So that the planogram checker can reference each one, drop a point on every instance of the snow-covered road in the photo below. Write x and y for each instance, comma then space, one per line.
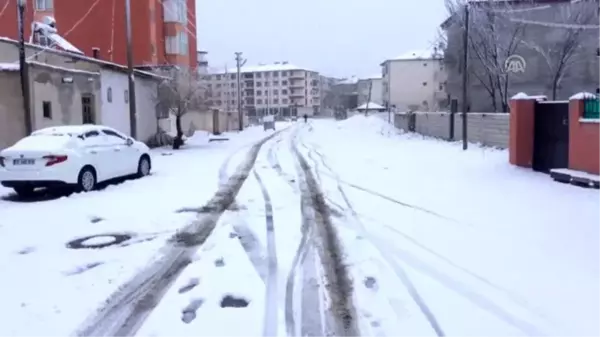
339, 228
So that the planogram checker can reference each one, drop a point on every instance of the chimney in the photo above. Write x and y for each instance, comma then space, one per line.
96, 52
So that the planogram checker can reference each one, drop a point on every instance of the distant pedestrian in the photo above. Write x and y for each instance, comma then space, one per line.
305, 118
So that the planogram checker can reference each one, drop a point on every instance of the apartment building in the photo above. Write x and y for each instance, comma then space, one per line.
374, 84
163, 31
267, 89
202, 62
415, 81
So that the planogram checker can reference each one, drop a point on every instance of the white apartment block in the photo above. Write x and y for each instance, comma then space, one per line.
279, 88
415, 81
373, 84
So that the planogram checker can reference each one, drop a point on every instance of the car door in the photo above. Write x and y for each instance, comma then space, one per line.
99, 154
119, 148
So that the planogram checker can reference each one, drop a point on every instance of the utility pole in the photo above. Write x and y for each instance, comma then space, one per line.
23, 67
465, 77
369, 97
132, 105
239, 64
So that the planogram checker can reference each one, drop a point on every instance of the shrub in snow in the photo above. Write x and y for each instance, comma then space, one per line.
160, 139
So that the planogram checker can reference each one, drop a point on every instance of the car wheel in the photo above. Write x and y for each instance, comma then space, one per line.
87, 180
144, 166
24, 191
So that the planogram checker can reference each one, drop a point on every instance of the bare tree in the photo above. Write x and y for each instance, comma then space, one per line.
183, 91
492, 38
566, 37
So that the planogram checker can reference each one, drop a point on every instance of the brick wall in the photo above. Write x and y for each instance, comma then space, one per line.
489, 129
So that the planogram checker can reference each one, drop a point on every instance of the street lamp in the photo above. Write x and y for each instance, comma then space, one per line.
23, 65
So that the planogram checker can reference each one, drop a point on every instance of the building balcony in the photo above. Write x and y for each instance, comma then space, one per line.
298, 84
296, 94
296, 75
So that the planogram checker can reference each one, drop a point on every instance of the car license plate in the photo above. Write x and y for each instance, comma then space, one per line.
22, 161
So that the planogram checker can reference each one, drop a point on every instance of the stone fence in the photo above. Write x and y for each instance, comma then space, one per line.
488, 129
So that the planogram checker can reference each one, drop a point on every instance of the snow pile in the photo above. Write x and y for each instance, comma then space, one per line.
372, 124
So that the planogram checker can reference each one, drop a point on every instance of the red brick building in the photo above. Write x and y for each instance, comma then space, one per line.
163, 31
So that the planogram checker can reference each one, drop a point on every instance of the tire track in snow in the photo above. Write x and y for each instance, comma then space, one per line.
271, 308
425, 310
377, 194
479, 300
339, 287
125, 310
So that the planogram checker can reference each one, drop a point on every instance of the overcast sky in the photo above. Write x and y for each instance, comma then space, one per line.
335, 37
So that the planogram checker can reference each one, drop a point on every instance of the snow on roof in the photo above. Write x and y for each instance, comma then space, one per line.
262, 68
76, 71
102, 63
349, 80
523, 95
9, 66
583, 95
52, 34
372, 105
424, 54
373, 77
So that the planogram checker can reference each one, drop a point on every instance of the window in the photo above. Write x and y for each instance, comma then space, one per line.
87, 109
284, 92
424, 64
44, 5
175, 11
283, 82
258, 75
233, 77
424, 84
441, 86
275, 101
284, 101
233, 85
90, 134
47, 109
126, 96
258, 93
276, 83
218, 77
275, 92
258, 84
112, 134
178, 44
218, 85
109, 95
259, 101
275, 74
284, 73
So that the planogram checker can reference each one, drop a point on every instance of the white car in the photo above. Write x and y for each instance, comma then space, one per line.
79, 156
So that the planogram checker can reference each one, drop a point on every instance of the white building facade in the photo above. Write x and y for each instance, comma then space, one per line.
374, 84
279, 88
415, 81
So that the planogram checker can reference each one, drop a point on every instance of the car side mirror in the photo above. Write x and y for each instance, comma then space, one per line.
129, 142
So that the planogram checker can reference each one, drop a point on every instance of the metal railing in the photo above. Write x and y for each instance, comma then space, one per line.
591, 108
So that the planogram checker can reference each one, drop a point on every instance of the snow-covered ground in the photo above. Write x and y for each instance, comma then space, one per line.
436, 240
491, 249
47, 288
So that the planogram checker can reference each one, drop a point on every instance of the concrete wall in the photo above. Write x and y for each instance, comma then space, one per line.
115, 110
65, 98
489, 129
376, 91
145, 98
12, 118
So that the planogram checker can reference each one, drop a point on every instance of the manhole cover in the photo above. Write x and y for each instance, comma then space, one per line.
98, 241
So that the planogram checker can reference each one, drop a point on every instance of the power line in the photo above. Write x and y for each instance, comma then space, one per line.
555, 25
4, 8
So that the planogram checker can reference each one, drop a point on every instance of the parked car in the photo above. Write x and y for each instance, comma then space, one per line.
77, 156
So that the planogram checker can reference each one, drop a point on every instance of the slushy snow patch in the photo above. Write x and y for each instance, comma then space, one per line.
583, 95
